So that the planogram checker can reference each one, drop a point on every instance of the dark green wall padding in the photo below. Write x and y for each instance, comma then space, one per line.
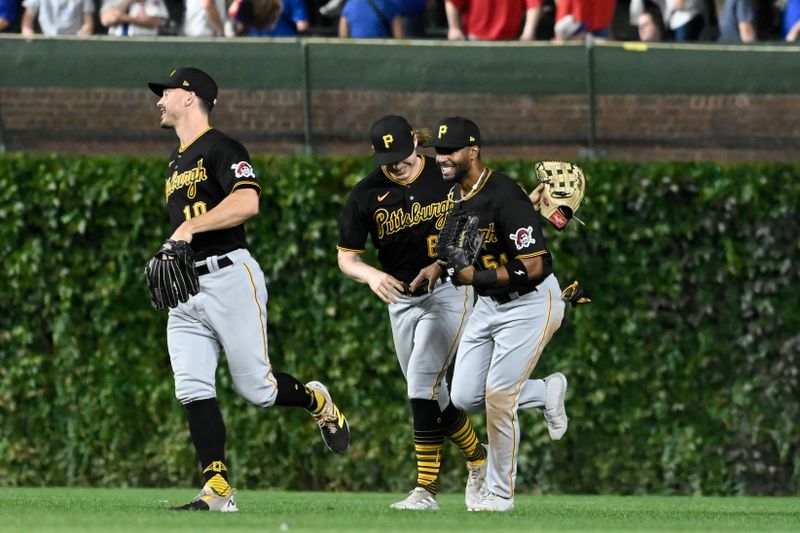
406, 66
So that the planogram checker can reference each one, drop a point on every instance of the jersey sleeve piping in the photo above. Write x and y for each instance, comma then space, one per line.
343, 249
247, 184
528, 256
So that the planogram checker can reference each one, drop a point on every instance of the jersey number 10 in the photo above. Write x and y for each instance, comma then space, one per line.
194, 210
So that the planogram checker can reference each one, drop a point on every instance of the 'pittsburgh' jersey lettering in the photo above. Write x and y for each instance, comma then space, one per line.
200, 176
388, 223
189, 178
489, 235
402, 220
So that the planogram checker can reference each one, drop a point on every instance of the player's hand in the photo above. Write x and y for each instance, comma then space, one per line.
536, 196
430, 273
387, 287
183, 233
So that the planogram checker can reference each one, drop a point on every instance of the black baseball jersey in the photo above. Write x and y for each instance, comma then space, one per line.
509, 223
403, 220
200, 176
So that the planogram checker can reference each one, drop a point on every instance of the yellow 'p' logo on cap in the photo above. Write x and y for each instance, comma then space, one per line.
442, 130
387, 140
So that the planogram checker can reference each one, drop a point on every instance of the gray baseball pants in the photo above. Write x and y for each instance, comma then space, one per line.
498, 351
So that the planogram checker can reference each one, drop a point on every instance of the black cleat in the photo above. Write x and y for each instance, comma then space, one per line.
332, 423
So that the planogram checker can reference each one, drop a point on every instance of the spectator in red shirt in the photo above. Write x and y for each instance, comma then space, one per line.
576, 18
490, 20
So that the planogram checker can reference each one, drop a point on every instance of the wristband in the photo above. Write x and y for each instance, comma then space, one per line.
517, 274
483, 279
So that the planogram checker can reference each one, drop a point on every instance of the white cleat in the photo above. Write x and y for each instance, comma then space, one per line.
554, 411
475, 481
493, 503
418, 499
209, 500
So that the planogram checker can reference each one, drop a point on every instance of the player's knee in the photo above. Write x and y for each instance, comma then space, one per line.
499, 401
416, 392
467, 401
426, 386
259, 392
193, 391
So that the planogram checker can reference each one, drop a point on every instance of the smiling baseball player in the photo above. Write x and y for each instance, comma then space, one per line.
518, 310
400, 206
210, 191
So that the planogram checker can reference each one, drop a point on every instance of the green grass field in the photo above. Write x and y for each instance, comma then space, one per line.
87, 510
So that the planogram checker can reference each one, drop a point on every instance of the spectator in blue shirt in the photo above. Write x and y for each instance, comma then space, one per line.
269, 18
413, 14
791, 21
9, 10
370, 19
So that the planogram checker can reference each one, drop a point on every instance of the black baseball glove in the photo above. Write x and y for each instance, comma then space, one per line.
459, 242
171, 276
575, 294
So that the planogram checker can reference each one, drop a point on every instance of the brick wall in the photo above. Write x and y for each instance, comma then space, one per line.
690, 127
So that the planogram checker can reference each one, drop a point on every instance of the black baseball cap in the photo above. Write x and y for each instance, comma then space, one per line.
392, 139
455, 132
189, 79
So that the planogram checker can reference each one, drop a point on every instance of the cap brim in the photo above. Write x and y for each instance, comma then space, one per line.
158, 88
390, 158
435, 144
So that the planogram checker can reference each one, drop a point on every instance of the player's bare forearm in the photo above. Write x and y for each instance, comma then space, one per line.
353, 267
235, 209
384, 285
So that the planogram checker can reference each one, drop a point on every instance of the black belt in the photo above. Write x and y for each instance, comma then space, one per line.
223, 262
505, 298
422, 290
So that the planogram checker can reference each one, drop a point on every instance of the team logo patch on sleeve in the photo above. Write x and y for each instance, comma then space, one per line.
242, 169
523, 237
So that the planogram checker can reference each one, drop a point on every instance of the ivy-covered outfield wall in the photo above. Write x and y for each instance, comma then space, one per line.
683, 371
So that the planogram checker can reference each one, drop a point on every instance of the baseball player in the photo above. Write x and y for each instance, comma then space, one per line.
210, 191
401, 206
518, 310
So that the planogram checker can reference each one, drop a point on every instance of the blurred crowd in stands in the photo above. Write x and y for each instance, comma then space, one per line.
728, 21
